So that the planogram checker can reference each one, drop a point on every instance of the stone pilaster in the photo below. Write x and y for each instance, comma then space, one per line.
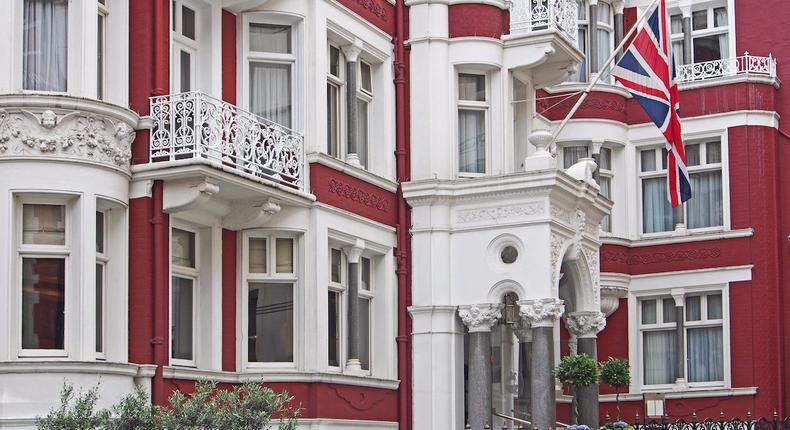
479, 319
524, 401
353, 253
351, 53
585, 326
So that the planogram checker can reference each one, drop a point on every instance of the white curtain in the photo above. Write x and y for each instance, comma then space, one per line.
270, 92
724, 45
606, 190
705, 208
660, 350
705, 354
471, 141
572, 154
45, 53
581, 68
657, 214
362, 131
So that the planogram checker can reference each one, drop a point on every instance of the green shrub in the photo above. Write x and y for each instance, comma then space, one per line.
76, 411
616, 373
578, 370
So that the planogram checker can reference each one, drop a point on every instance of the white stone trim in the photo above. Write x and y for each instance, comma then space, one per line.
542, 312
690, 236
87, 367
480, 318
174, 372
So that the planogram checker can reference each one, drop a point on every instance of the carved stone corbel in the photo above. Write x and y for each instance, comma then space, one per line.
244, 216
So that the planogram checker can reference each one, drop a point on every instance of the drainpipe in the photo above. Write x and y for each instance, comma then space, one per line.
160, 294
403, 257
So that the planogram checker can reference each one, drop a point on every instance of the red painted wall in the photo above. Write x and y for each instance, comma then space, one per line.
481, 20
228, 57
140, 69
380, 13
228, 300
141, 281
354, 195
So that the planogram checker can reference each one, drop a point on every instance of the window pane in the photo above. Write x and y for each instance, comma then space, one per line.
43, 224
43, 302
664, 158
699, 20
713, 152
270, 323
99, 308
605, 183
669, 310
572, 154
257, 257
471, 136
364, 333
705, 354
471, 87
270, 92
604, 48
649, 311
332, 120
366, 78
677, 24
715, 308
720, 17
333, 310
606, 159
710, 48
693, 308
581, 40
188, 22
604, 13
660, 350
336, 265
692, 155
648, 160
364, 264
183, 248
678, 52
657, 213
44, 45
285, 255
334, 61
705, 209
185, 71
100, 232
362, 131
270, 38
182, 318
100, 57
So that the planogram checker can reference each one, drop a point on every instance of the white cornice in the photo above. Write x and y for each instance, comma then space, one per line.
278, 375
687, 393
88, 367
37, 101
688, 237
343, 167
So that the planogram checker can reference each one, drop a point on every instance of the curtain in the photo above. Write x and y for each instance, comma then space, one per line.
270, 38
724, 45
657, 214
572, 154
471, 141
705, 354
45, 53
364, 332
182, 309
660, 350
362, 131
581, 68
705, 209
606, 190
270, 92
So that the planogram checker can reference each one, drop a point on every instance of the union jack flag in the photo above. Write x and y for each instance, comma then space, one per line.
646, 69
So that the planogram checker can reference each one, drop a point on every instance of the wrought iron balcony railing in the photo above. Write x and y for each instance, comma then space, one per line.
743, 65
534, 15
194, 125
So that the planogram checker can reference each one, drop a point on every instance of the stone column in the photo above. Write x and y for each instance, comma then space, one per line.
479, 319
680, 317
585, 326
618, 6
596, 156
353, 253
685, 9
351, 53
524, 401
592, 39
542, 314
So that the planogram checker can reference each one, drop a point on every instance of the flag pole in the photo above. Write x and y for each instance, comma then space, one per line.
606, 65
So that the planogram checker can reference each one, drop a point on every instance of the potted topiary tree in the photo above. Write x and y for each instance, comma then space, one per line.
616, 373
577, 370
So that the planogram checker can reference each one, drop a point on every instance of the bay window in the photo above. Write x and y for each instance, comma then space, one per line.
473, 108
605, 176
572, 154
704, 210
184, 47
102, 259
603, 39
334, 86
709, 38
270, 274
45, 45
364, 99
337, 289
271, 60
185, 277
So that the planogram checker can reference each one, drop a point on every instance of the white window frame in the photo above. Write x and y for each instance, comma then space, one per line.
369, 295
471, 105
104, 12
638, 329
187, 273
366, 97
294, 60
339, 82
711, 30
607, 174
340, 288
45, 251
103, 259
271, 276
179, 42
703, 167
608, 27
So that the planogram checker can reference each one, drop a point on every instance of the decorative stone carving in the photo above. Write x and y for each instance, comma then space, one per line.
76, 135
661, 257
480, 317
585, 324
355, 251
610, 298
500, 213
542, 312
560, 214
245, 216
358, 195
556, 249
594, 265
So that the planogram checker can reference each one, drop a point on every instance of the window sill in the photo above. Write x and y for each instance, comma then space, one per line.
670, 238
685, 392
600, 87
89, 367
277, 375
343, 167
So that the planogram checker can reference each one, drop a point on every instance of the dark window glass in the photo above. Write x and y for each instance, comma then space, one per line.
364, 333
99, 308
100, 232
43, 302
182, 318
333, 310
270, 322
186, 71
188, 22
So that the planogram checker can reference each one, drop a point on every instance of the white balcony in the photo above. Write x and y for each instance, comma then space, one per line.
195, 126
528, 16
743, 65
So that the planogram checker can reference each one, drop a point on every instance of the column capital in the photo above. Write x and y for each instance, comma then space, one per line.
618, 6
481, 317
352, 50
523, 331
542, 312
585, 324
597, 144
354, 251
679, 294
